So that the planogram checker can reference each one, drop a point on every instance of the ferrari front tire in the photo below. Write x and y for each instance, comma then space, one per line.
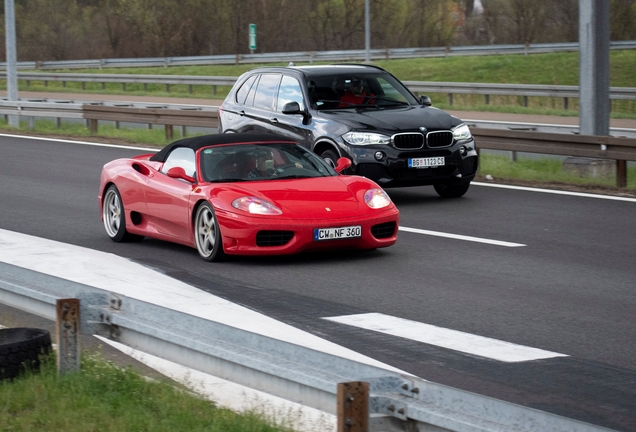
207, 234
115, 218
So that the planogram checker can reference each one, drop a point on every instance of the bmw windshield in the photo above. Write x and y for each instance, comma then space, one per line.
357, 90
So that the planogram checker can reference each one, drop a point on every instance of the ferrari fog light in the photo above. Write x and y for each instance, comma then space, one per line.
376, 198
255, 205
379, 155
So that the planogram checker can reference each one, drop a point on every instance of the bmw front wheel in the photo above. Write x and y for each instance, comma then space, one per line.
207, 234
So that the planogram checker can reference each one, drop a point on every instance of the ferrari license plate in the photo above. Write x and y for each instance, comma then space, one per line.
426, 162
337, 233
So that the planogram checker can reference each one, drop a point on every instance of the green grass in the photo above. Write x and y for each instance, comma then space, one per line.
544, 170
103, 397
549, 69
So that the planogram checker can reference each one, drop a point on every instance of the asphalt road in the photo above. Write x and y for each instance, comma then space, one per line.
570, 289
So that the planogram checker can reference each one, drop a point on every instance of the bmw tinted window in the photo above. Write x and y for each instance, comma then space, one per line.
266, 91
289, 91
242, 92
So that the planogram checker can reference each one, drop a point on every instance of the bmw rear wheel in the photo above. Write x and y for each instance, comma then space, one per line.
115, 217
451, 191
207, 234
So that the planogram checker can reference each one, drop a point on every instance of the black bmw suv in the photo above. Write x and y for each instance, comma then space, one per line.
361, 112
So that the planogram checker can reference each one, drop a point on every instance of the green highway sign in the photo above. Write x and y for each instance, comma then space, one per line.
252, 36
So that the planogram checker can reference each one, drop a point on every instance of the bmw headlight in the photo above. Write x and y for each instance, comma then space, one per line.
376, 198
365, 138
256, 206
461, 132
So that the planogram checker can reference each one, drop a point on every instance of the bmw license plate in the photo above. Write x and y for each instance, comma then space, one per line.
337, 233
426, 162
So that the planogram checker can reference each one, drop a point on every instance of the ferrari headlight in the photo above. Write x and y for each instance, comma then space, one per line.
461, 132
376, 198
365, 138
256, 206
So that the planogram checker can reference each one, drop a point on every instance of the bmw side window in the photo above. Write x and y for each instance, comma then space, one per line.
266, 91
181, 157
289, 91
242, 92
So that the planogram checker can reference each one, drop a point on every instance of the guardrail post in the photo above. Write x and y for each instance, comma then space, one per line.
68, 334
450, 99
487, 99
565, 103
621, 173
169, 132
93, 126
353, 407
167, 88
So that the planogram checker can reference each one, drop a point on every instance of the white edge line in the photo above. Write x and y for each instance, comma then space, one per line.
461, 237
553, 191
96, 144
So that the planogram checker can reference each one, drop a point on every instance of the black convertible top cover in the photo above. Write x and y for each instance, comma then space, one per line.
197, 142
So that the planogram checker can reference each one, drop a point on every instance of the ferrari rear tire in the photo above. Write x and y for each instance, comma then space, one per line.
451, 191
115, 217
207, 234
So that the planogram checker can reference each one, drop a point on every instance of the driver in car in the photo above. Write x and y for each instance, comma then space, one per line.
355, 94
263, 165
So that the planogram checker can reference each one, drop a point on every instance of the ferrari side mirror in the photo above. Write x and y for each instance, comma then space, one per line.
342, 164
179, 173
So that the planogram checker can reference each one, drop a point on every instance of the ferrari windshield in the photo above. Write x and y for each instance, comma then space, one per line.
248, 162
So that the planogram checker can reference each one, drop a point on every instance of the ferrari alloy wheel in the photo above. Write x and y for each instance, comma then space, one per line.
115, 218
207, 234
451, 191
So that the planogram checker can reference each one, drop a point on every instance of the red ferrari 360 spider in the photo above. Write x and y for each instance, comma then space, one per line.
244, 194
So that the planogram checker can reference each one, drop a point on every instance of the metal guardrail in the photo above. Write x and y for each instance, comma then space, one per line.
494, 136
487, 89
313, 56
289, 371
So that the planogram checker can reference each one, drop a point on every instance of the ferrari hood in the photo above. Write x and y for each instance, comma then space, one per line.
314, 197
395, 119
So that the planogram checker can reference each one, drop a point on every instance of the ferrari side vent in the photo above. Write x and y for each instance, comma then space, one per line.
383, 230
273, 238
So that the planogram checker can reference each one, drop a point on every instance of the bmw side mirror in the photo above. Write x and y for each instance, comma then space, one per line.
425, 100
292, 108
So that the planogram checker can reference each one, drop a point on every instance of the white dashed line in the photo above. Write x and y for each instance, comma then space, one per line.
461, 237
445, 338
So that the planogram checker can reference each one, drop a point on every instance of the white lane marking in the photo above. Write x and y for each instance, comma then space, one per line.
461, 237
556, 192
446, 338
96, 144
